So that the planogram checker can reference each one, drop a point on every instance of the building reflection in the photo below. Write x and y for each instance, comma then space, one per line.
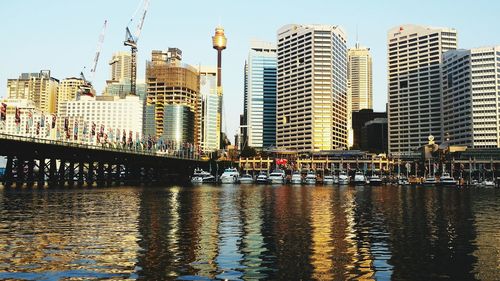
230, 230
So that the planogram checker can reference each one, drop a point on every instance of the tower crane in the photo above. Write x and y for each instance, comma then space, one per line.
86, 88
131, 40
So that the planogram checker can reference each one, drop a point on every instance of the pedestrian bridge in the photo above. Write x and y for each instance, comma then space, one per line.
59, 163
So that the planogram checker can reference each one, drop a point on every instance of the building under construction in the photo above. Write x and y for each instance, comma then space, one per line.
173, 98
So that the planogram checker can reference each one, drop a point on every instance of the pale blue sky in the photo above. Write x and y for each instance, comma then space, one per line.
61, 35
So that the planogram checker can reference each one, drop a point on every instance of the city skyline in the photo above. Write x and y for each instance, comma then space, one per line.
65, 41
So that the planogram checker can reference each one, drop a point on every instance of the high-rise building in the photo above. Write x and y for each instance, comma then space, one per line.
471, 87
360, 77
414, 84
169, 82
311, 88
37, 87
260, 95
121, 67
210, 109
68, 90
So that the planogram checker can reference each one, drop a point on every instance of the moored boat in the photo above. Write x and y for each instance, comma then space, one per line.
246, 178
230, 175
429, 181
343, 178
359, 178
262, 178
375, 180
447, 180
201, 176
277, 176
328, 179
296, 178
310, 178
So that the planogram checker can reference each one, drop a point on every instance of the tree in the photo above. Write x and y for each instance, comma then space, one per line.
248, 151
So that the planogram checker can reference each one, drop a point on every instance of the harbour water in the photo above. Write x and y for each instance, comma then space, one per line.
250, 232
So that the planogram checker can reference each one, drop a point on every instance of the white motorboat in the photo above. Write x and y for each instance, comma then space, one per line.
359, 178
262, 178
429, 181
448, 180
296, 178
310, 178
487, 184
230, 175
201, 176
375, 180
246, 178
328, 179
343, 178
277, 176
403, 181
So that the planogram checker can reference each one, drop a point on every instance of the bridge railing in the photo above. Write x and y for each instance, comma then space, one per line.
133, 148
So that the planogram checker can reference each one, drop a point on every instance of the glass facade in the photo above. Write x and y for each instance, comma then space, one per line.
178, 121
210, 111
260, 95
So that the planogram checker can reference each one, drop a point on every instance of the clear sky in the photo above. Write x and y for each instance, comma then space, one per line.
61, 35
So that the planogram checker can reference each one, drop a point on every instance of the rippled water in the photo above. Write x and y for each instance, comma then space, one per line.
249, 233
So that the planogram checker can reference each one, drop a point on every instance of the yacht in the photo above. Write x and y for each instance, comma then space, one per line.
375, 180
429, 181
446, 179
343, 178
230, 175
246, 178
487, 184
262, 178
277, 176
403, 181
296, 178
328, 179
201, 176
359, 178
310, 178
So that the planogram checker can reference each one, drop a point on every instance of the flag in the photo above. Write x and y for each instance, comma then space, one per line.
37, 128
93, 129
3, 111
66, 124
124, 137
42, 121
30, 118
53, 121
129, 141
75, 130
18, 116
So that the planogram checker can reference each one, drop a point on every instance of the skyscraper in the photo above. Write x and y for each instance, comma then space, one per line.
311, 88
171, 85
120, 67
360, 77
37, 87
260, 95
210, 110
470, 97
414, 84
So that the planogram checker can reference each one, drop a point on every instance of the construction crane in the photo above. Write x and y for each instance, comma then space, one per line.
98, 50
86, 87
131, 40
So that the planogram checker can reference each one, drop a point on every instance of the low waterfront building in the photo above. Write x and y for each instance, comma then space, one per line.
23, 118
359, 119
107, 114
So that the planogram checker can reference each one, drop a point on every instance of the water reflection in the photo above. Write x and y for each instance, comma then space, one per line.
250, 233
